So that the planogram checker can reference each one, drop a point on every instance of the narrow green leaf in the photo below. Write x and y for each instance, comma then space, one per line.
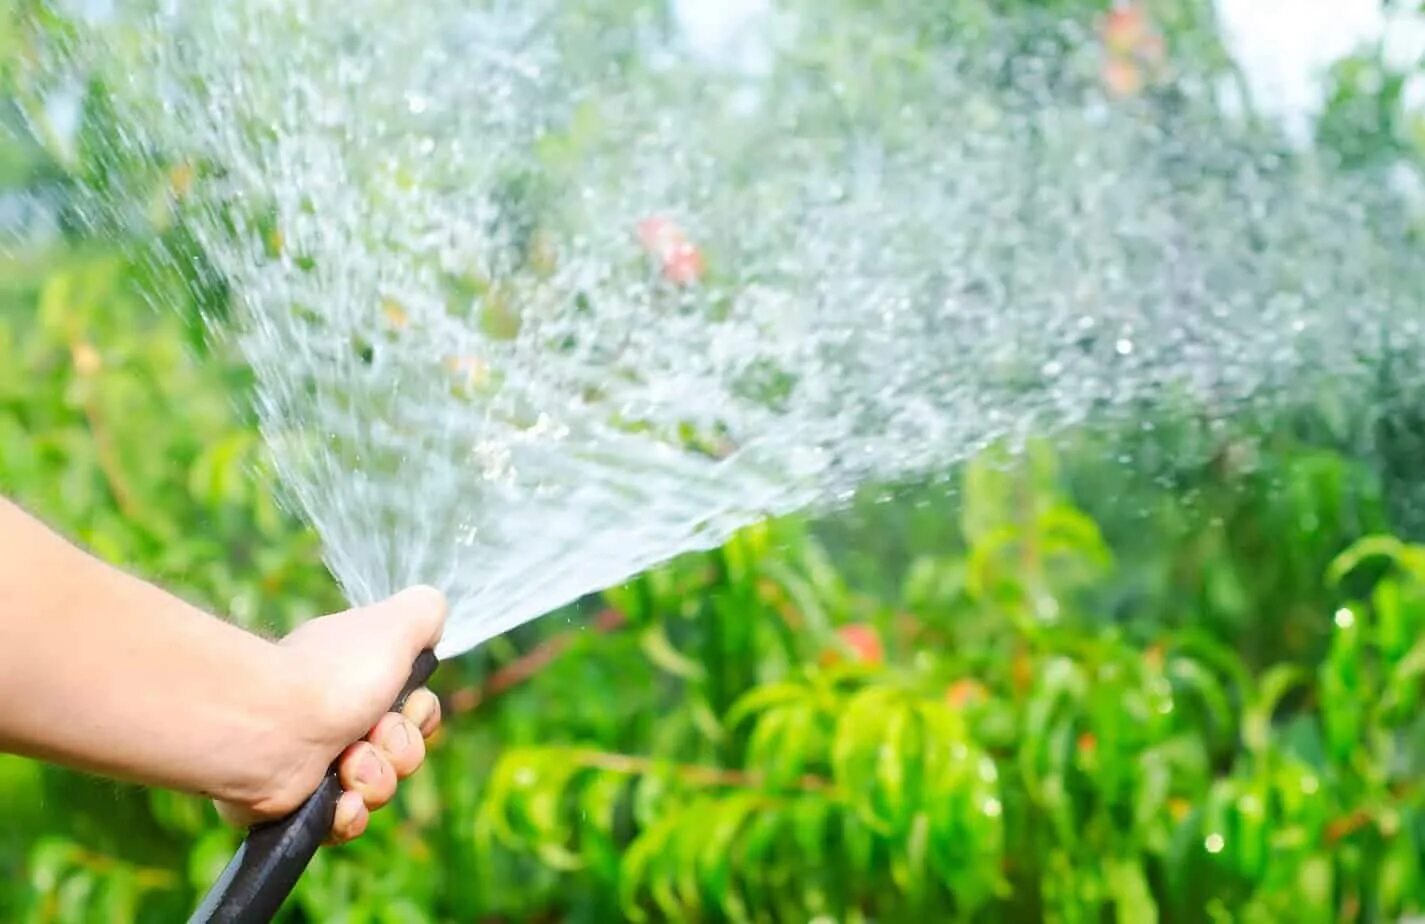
1132, 896
660, 650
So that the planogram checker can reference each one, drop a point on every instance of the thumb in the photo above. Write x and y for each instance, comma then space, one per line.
410, 621
362, 657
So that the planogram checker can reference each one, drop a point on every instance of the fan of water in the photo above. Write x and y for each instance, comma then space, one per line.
538, 295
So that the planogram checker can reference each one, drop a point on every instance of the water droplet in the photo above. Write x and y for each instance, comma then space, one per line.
1124, 346
1214, 843
1344, 618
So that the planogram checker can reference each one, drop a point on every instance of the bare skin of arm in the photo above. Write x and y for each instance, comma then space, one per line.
104, 672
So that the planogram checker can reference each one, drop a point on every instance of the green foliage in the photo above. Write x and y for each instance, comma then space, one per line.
1052, 771
1061, 688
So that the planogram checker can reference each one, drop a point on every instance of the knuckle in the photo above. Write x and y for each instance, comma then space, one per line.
281, 800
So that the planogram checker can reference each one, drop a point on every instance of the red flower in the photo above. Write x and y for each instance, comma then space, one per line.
1133, 50
678, 258
1124, 29
965, 692
1122, 78
863, 641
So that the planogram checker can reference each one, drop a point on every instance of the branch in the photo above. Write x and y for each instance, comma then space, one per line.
694, 774
145, 877
109, 463
87, 364
1338, 829
525, 667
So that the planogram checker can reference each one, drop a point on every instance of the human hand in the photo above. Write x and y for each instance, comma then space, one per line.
344, 672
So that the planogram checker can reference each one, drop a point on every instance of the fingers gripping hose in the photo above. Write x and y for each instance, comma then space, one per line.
272, 857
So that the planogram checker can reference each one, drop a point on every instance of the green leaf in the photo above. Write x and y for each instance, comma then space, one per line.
50, 860
643, 871
118, 897
1132, 896
715, 856
856, 754
209, 854
55, 316
655, 643
1257, 717
599, 803
75, 897
1386, 547
1190, 676
1061, 690
804, 596
764, 698
1401, 695
219, 474
1066, 530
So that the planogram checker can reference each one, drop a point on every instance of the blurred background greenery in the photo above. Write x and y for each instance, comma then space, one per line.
1057, 688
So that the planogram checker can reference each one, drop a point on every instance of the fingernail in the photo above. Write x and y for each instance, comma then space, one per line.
398, 738
368, 767
345, 814
418, 709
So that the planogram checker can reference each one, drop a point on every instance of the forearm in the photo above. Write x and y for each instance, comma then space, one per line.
89, 654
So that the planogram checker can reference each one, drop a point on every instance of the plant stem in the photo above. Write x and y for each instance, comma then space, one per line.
694, 774
469, 698
108, 458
